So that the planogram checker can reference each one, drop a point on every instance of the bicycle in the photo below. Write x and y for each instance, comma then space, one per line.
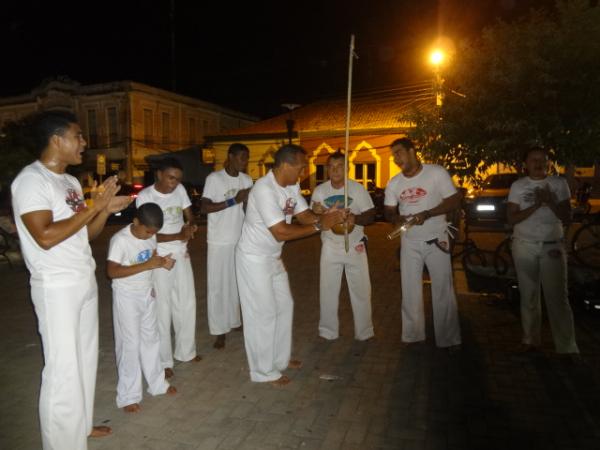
585, 245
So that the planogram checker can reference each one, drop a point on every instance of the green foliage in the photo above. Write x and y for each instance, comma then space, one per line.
16, 151
535, 81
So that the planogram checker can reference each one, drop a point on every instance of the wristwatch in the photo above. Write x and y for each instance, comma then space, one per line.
317, 225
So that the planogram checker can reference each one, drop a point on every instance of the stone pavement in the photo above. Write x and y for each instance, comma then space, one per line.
387, 396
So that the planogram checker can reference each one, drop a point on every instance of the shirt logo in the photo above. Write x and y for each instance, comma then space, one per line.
331, 201
74, 200
290, 205
412, 195
231, 193
142, 257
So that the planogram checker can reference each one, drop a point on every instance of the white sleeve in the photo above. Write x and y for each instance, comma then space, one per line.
115, 251
267, 206
513, 193
210, 188
366, 202
390, 195
301, 205
185, 199
445, 183
142, 198
31, 194
562, 192
317, 196
248, 181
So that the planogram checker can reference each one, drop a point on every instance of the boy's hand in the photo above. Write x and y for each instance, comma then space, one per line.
187, 232
242, 195
318, 208
155, 260
168, 262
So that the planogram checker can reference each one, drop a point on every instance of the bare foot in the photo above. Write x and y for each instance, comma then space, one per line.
100, 431
133, 408
220, 342
294, 364
169, 373
281, 381
172, 390
197, 358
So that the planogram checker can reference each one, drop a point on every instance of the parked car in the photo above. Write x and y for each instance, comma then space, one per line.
126, 216
486, 206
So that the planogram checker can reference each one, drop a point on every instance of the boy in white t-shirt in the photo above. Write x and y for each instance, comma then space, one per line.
131, 259
175, 288
334, 258
424, 193
538, 207
223, 200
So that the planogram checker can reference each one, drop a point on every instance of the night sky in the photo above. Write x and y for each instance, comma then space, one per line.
251, 56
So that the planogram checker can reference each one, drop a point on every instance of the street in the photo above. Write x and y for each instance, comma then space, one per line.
348, 394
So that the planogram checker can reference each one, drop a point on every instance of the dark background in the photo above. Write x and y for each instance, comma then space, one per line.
251, 56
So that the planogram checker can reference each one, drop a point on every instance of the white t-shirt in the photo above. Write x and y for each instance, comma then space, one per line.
38, 189
421, 192
225, 226
172, 206
359, 201
268, 204
542, 225
127, 250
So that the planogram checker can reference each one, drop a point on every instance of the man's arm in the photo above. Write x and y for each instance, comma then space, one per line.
365, 218
448, 204
391, 214
187, 230
116, 270
208, 206
283, 231
115, 204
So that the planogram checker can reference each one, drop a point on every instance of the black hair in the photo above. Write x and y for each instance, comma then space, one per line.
169, 163
150, 215
337, 155
530, 150
45, 124
404, 142
236, 148
288, 154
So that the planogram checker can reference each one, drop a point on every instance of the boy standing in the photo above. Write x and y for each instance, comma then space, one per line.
131, 258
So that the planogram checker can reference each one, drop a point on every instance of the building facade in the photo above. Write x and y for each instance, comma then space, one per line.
124, 121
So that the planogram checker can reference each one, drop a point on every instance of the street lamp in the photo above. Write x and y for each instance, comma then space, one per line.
436, 58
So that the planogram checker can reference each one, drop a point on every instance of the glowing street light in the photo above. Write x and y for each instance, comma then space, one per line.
436, 58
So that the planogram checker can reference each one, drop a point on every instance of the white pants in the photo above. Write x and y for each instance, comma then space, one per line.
176, 302
68, 324
136, 345
267, 309
413, 255
544, 265
334, 261
222, 298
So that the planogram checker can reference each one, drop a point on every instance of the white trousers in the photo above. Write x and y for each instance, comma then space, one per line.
136, 346
544, 266
68, 324
413, 255
222, 298
267, 309
334, 261
176, 302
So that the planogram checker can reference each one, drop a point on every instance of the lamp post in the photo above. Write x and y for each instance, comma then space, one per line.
436, 58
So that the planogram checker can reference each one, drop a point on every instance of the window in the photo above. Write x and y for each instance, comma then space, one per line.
148, 131
321, 174
365, 173
166, 127
113, 125
92, 129
192, 130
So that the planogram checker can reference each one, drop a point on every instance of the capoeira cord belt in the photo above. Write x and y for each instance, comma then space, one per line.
445, 248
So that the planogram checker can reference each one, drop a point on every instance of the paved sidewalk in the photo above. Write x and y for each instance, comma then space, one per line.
387, 396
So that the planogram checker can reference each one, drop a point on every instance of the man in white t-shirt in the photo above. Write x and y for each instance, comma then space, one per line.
334, 259
223, 200
54, 226
538, 207
175, 293
421, 195
131, 260
265, 297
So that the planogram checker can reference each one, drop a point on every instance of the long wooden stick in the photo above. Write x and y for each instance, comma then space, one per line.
347, 144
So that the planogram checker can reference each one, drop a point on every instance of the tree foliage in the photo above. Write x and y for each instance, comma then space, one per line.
535, 81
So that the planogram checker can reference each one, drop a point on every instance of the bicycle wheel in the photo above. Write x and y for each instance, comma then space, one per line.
502, 259
586, 245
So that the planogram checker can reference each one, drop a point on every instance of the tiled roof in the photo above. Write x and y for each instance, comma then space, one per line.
369, 112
